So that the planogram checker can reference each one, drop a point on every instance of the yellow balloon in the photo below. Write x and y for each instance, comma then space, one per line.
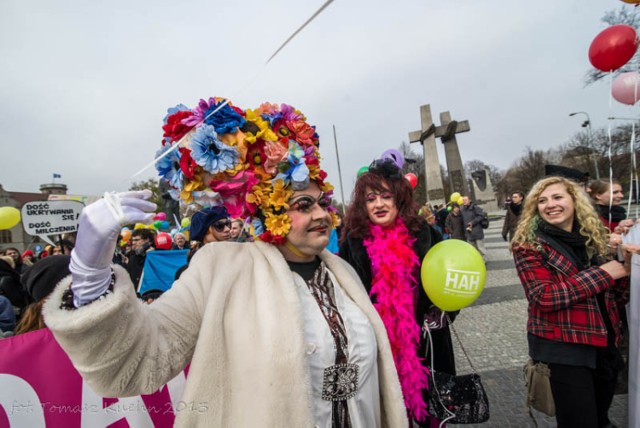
459, 201
9, 217
453, 274
140, 226
454, 197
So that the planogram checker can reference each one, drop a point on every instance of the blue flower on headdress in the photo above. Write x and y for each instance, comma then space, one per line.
226, 120
294, 170
169, 166
211, 153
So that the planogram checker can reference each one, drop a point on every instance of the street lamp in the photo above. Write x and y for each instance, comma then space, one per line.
587, 124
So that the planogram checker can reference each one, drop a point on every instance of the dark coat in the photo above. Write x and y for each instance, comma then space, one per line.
510, 222
473, 214
11, 287
455, 226
353, 251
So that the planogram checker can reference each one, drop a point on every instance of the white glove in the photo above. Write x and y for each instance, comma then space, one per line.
98, 233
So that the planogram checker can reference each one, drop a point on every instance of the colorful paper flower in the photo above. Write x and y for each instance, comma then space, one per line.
211, 153
277, 224
279, 196
173, 127
169, 166
224, 118
294, 170
275, 153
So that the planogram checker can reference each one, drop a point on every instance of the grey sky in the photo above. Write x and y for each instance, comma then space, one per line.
84, 85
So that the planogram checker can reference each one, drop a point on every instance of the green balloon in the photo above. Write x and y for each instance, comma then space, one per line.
363, 170
453, 274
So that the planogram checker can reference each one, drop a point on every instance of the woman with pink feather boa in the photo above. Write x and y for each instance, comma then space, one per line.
385, 241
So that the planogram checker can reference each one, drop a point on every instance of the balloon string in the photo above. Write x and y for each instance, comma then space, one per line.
609, 145
632, 166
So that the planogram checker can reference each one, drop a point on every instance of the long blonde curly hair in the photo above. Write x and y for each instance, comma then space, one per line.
590, 225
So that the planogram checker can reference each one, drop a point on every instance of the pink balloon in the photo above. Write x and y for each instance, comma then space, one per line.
626, 88
160, 216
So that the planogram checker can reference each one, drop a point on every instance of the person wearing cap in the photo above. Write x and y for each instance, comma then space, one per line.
39, 281
211, 225
278, 332
27, 258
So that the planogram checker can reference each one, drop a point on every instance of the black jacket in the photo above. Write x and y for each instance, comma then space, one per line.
353, 251
11, 288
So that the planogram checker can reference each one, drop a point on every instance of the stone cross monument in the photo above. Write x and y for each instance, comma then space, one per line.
427, 137
457, 180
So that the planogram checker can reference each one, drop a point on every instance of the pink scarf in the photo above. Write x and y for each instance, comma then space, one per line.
393, 262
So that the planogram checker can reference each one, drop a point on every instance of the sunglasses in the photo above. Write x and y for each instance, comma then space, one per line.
221, 225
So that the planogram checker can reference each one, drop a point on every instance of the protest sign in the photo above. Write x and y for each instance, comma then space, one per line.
45, 218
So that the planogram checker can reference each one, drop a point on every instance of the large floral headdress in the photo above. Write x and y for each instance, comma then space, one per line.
250, 161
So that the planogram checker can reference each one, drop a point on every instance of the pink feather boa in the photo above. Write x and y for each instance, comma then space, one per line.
393, 262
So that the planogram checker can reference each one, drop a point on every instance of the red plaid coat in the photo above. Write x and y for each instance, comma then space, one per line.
562, 302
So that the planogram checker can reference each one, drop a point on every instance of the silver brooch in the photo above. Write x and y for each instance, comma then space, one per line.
340, 382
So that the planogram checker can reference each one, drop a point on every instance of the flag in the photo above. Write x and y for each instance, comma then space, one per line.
56, 175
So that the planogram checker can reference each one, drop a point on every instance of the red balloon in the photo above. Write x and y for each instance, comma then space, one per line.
163, 241
412, 179
613, 47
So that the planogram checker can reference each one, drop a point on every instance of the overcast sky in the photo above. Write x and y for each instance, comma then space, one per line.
84, 85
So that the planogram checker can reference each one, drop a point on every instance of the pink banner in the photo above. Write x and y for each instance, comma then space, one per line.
40, 388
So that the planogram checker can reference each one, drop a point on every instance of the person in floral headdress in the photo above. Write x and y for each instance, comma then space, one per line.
385, 240
278, 332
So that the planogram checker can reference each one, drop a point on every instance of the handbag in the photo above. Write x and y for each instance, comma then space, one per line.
456, 399
539, 395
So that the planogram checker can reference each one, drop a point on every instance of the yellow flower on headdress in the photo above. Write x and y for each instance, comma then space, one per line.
191, 186
314, 171
278, 224
265, 131
280, 195
335, 220
326, 187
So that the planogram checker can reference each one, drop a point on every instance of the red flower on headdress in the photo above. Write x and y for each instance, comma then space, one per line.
174, 129
187, 164
272, 239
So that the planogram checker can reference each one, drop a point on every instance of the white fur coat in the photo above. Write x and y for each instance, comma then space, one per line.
235, 315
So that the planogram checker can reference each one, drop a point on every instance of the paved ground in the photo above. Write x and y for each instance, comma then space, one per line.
493, 332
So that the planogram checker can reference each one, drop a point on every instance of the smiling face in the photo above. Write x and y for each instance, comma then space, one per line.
310, 225
556, 206
604, 198
381, 206
235, 229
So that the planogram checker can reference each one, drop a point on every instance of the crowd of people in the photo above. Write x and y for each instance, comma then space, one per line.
278, 331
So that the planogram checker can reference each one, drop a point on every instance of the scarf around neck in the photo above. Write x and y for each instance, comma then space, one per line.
393, 262
617, 212
573, 241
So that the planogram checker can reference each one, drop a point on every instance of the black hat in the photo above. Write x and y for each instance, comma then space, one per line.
201, 221
566, 172
40, 279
